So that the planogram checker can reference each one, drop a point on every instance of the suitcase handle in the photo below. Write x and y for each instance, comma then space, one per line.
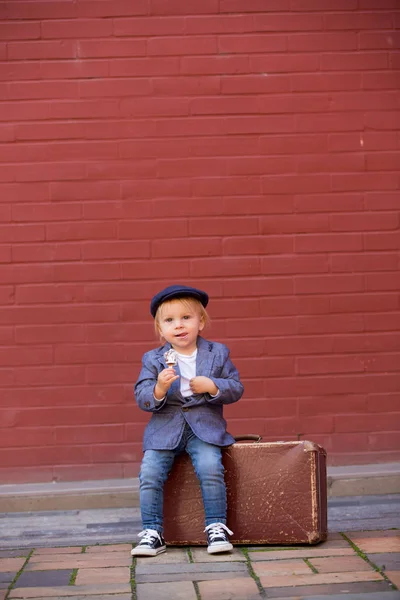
248, 437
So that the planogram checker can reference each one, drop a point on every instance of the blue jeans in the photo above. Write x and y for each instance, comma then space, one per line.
207, 463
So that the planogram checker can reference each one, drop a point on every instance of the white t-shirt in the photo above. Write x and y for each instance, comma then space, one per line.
187, 367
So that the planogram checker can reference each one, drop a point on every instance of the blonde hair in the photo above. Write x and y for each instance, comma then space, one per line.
190, 304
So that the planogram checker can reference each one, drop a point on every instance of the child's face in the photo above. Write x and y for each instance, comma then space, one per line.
180, 323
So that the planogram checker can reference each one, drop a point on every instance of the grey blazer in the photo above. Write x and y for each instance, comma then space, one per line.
202, 412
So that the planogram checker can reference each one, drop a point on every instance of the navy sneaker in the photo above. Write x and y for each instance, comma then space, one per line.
151, 544
217, 536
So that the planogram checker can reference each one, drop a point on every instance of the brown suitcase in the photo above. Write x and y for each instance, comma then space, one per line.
276, 495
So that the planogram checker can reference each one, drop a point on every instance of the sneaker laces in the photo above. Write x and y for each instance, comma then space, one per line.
216, 530
148, 536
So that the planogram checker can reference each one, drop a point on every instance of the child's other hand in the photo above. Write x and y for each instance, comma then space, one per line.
164, 381
202, 385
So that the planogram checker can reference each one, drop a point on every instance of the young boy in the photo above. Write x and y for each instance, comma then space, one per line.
184, 384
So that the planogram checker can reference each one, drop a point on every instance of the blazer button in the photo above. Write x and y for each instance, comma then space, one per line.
185, 408
147, 404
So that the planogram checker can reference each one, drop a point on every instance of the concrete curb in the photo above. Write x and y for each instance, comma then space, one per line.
358, 480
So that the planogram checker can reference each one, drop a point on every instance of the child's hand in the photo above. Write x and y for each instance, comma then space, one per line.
164, 381
202, 385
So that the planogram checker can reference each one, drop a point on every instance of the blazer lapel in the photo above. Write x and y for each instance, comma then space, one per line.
205, 358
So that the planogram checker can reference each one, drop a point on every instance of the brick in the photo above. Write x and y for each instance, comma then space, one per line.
176, 7
380, 80
111, 8
19, 30
381, 403
333, 405
11, 564
281, 63
370, 422
254, 83
389, 162
63, 591
232, 6
232, 589
260, 556
327, 5
377, 544
41, 49
183, 590
123, 67
215, 65
80, 28
293, 22
368, 221
345, 121
368, 261
383, 441
318, 579
313, 42
365, 303
382, 281
224, 24
44, 578
374, 120
394, 577
330, 242
354, 61
386, 200
223, 266
326, 81
372, 40
358, 20
175, 46
240, 245
251, 43
93, 575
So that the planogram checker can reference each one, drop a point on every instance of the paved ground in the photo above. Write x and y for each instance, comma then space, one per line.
85, 555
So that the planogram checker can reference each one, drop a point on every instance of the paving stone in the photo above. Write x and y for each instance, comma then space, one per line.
194, 568
394, 577
379, 533
173, 555
71, 590
345, 596
390, 560
227, 589
44, 578
3, 595
6, 579
79, 561
366, 587
202, 576
334, 542
117, 574
282, 567
318, 578
65, 550
15, 553
11, 564
109, 548
201, 555
377, 544
97, 597
182, 590
340, 564
301, 553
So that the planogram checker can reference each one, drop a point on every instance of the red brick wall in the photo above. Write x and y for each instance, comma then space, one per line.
250, 147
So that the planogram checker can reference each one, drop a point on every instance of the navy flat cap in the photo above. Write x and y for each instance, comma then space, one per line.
177, 291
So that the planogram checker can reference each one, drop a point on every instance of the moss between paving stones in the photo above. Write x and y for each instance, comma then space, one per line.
364, 556
14, 581
252, 573
73, 577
